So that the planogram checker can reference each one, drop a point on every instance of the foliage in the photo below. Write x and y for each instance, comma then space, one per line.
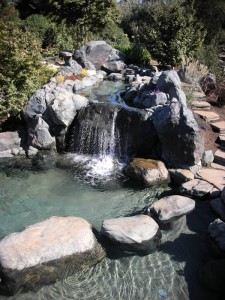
208, 55
21, 69
84, 72
135, 53
169, 30
60, 78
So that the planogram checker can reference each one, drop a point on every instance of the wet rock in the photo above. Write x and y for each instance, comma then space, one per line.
171, 208
196, 188
135, 234
179, 135
39, 254
217, 233
148, 171
179, 176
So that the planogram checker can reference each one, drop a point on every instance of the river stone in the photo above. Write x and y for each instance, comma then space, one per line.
148, 171
65, 106
179, 176
216, 231
171, 208
196, 188
136, 234
39, 254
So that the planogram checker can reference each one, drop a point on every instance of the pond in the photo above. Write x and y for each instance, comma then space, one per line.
95, 189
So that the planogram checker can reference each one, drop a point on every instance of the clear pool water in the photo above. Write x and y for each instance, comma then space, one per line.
171, 273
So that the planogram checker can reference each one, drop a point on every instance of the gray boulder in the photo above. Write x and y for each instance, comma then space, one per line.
99, 53
9, 140
218, 206
171, 208
86, 81
179, 135
207, 158
78, 85
37, 255
39, 135
148, 171
36, 104
135, 234
155, 99
178, 94
65, 106
196, 188
168, 80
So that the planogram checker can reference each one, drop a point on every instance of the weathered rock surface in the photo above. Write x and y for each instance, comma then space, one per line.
196, 188
38, 254
148, 171
207, 158
168, 80
136, 234
155, 99
99, 53
179, 176
171, 208
179, 135
9, 140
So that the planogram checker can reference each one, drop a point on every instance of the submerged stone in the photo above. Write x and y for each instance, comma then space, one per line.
135, 234
39, 254
148, 171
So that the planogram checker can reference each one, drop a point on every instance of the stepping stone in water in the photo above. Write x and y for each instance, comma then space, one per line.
208, 116
219, 126
134, 234
200, 104
214, 177
39, 254
196, 188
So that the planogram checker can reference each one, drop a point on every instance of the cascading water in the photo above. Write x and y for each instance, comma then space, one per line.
95, 147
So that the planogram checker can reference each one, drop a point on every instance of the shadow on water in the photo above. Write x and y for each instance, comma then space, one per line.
193, 249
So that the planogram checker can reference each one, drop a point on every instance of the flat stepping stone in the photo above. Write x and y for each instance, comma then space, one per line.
217, 166
218, 206
135, 234
169, 209
179, 176
214, 177
208, 116
196, 188
219, 156
222, 138
38, 254
198, 95
200, 104
219, 126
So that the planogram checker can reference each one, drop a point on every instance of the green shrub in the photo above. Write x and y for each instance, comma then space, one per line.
21, 68
135, 53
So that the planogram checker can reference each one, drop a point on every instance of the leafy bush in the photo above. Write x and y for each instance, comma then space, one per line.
60, 78
135, 53
21, 68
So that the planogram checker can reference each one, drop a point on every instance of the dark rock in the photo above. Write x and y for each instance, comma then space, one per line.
218, 206
36, 104
179, 135
168, 80
155, 100
134, 234
38, 255
217, 233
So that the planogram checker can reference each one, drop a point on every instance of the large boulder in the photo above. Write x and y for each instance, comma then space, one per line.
179, 135
64, 107
135, 234
168, 80
39, 254
171, 208
148, 171
99, 54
